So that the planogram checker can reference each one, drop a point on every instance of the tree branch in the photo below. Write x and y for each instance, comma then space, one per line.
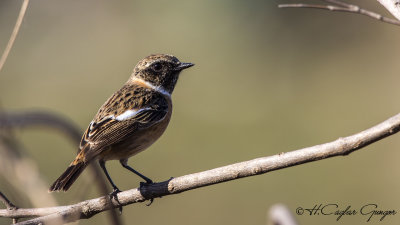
345, 7
14, 33
42, 119
88, 208
393, 6
7, 202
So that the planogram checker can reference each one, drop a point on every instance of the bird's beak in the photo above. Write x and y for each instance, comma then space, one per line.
183, 66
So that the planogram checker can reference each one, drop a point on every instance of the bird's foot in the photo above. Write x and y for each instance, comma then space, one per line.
113, 195
144, 184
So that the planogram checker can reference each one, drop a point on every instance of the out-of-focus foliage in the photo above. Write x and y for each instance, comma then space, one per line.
266, 81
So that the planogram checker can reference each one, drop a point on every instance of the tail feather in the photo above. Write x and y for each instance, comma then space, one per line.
64, 182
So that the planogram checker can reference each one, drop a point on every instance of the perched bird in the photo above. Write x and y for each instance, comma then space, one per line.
130, 121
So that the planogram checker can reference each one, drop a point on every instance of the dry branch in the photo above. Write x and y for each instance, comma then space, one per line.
20, 120
340, 6
14, 33
88, 208
393, 6
7, 202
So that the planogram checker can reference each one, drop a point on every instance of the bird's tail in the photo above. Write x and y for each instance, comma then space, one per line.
64, 182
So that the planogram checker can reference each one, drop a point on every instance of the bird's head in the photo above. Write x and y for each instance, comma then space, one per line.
159, 70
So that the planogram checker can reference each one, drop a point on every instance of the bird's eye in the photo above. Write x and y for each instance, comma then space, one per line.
157, 67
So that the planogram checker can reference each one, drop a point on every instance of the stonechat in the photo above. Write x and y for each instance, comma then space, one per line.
130, 121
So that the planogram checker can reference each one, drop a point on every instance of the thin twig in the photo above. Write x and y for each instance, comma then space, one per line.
343, 7
88, 208
314, 6
7, 202
393, 6
14, 33
9, 120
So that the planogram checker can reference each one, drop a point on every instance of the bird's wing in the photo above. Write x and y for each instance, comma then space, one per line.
114, 122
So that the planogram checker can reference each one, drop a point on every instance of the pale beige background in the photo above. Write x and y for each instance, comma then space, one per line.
266, 80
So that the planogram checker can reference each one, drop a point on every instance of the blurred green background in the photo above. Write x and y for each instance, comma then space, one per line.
266, 81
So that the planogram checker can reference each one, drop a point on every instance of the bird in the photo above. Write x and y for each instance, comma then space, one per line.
131, 120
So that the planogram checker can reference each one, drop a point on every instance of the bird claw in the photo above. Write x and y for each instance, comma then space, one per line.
151, 202
147, 183
113, 195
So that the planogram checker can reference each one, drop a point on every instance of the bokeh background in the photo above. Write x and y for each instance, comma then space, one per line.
266, 81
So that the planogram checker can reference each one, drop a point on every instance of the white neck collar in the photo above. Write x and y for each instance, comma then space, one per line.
147, 84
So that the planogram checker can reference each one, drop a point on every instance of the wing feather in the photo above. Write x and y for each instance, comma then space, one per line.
105, 130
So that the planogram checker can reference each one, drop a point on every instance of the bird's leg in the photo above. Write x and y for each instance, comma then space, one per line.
116, 190
124, 163
103, 166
